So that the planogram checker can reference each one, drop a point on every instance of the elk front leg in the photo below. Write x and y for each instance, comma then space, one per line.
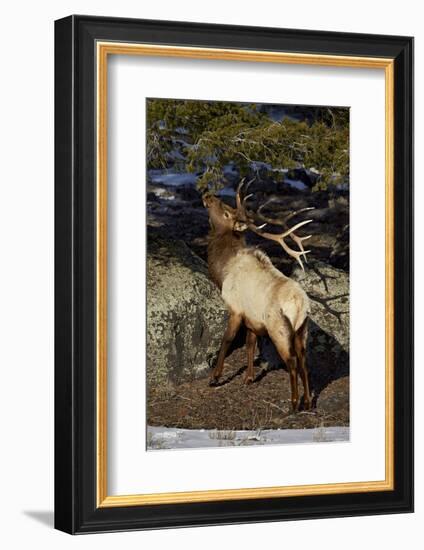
233, 325
250, 346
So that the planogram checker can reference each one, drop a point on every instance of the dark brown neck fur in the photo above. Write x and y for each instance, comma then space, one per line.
221, 248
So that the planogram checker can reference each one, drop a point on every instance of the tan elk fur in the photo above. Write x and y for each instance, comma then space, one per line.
253, 287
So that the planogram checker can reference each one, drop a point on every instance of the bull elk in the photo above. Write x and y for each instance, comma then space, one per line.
255, 292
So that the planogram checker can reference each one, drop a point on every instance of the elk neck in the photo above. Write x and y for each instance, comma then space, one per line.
222, 246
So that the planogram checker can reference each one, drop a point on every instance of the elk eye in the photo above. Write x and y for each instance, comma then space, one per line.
227, 215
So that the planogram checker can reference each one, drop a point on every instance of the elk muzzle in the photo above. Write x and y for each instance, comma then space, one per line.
208, 200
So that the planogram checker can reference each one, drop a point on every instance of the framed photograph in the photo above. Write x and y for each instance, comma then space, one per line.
234, 274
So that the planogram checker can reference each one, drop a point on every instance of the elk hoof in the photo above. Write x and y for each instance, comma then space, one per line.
295, 406
248, 379
213, 382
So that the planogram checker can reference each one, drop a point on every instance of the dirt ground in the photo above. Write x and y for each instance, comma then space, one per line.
232, 405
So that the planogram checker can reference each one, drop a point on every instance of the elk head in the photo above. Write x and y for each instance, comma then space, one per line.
223, 218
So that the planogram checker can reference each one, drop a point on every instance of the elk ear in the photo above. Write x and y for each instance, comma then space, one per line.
240, 227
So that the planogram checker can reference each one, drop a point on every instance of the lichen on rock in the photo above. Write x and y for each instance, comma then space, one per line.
186, 316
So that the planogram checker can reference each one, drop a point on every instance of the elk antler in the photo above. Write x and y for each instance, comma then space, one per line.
250, 217
241, 203
279, 238
283, 222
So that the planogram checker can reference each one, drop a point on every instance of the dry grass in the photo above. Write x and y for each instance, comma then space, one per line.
320, 435
155, 443
223, 435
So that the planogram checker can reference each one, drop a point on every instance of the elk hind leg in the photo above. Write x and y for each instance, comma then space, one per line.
233, 325
250, 346
300, 349
284, 344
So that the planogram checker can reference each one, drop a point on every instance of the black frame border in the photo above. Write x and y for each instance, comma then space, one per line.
75, 274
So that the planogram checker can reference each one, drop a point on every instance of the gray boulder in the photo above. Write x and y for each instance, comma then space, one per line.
186, 316
328, 291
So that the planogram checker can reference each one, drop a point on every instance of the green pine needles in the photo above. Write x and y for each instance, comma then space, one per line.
205, 136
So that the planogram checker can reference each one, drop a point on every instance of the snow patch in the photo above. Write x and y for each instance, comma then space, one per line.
172, 179
159, 437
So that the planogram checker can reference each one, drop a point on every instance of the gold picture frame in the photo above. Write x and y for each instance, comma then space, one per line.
106, 49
